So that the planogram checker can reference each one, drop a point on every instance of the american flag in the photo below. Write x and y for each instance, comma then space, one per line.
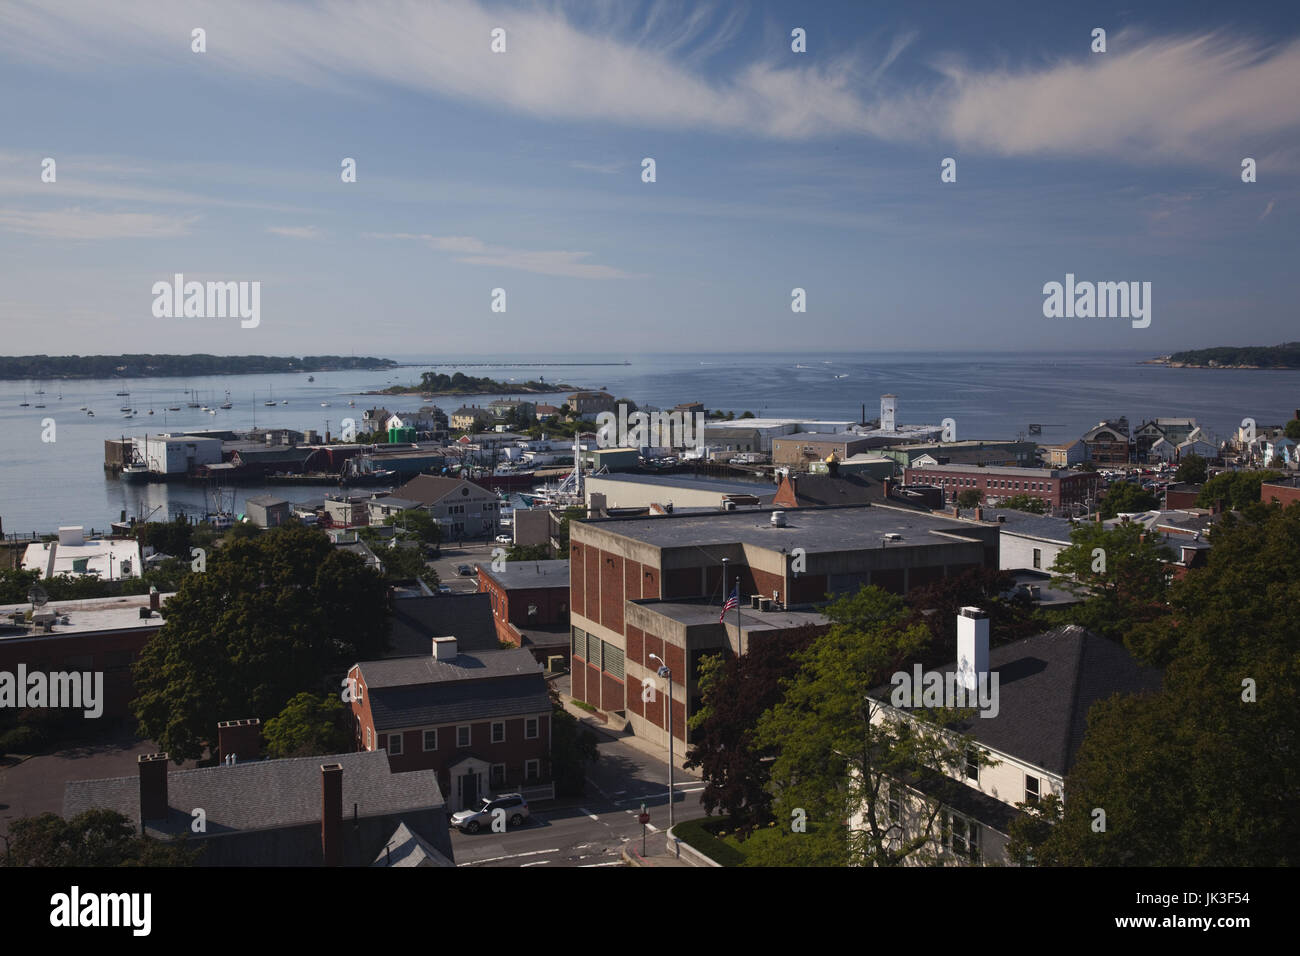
731, 602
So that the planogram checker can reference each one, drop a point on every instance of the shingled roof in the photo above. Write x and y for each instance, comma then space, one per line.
1046, 685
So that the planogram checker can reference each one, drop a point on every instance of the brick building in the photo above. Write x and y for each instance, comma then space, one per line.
654, 585
480, 721
1060, 489
530, 605
102, 635
1284, 491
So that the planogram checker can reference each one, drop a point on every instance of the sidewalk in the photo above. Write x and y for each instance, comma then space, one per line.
590, 720
657, 853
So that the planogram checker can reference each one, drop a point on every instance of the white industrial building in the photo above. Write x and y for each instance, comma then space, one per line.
110, 558
177, 454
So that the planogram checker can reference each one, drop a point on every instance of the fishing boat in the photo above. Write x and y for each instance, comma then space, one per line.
135, 473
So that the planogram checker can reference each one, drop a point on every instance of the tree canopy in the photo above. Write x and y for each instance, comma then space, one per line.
1236, 489
271, 616
310, 725
96, 838
1191, 469
1121, 573
1126, 497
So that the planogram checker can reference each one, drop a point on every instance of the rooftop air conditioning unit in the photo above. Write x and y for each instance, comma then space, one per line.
765, 604
754, 599
728, 505
778, 519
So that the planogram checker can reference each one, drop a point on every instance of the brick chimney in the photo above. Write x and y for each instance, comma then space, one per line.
331, 813
979, 513
243, 738
888, 485
153, 787
155, 599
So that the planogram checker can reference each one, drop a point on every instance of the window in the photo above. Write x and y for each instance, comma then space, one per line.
431, 740
613, 660
579, 642
1031, 789
498, 731
462, 736
532, 769
972, 764
530, 728
498, 775
395, 745
1038, 557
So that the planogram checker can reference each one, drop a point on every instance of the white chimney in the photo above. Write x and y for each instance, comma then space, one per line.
72, 536
887, 412
972, 645
444, 648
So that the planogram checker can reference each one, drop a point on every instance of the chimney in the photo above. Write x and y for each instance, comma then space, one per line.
242, 738
444, 648
331, 813
153, 787
155, 599
888, 485
979, 513
972, 645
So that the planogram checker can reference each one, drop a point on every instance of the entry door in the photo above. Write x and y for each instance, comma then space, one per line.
469, 790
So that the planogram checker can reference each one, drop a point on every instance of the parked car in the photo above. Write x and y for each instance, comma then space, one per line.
515, 809
443, 589
464, 570
505, 539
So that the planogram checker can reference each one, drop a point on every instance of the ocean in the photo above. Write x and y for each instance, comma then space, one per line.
990, 395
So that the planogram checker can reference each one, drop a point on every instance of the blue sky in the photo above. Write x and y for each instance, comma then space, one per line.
522, 171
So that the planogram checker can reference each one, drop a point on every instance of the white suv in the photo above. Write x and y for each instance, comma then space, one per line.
513, 806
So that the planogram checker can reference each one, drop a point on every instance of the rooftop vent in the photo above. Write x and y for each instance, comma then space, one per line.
778, 519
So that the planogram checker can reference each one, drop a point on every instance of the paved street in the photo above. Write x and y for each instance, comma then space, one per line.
472, 553
593, 830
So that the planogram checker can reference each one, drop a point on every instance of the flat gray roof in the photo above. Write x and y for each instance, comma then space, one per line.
823, 529
479, 665
723, 486
692, 613
521, 575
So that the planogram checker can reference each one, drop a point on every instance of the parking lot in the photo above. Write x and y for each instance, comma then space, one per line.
454, 554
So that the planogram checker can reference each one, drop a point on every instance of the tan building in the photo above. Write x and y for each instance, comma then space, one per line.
463, 509
590, 404
804, 448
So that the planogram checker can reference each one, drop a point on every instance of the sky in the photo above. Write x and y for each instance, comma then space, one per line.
522, 171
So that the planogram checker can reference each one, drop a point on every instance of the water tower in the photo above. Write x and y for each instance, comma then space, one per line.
887, 406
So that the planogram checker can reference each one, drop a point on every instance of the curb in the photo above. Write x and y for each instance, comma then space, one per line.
681, 847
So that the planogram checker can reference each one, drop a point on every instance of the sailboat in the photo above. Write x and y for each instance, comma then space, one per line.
227, 403
193, 402
24, 403
124, 392
271, 400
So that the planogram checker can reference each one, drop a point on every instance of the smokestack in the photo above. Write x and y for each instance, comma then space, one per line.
331, 813
153, 787
972, 645
241, 738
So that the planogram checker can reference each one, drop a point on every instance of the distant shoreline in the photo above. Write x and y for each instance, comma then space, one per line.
1284, 357
122, 367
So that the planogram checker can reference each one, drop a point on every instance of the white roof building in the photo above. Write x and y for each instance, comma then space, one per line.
110, 558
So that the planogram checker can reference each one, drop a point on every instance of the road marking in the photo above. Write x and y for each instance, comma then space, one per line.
511, 856
619, 793
616, 863
535, 863
652, 828
589, 813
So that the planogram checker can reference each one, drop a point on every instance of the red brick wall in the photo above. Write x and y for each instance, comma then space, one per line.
1283, 494
649, 581
577, 594
113, 653
681, 583
634, 696
806, 588
593, 687
653, 645
635, 653
578, 678
676, 660
632, 580
765, 583
1175, 500
591, 579
512, 752
611, 693
611, 591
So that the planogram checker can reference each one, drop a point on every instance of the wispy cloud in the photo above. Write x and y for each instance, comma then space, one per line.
606, 168
476, 252
77, 223
1267, 209
295, 232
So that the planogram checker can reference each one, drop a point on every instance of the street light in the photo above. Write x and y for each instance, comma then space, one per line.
665, 673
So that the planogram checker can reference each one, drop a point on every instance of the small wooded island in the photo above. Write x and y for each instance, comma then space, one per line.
1285, 356
152, 366
440, 383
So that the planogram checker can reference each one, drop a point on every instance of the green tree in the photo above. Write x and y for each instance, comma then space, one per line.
418, 524
840, 751
1236, 489
1191, 469
1125, 497
1121, 573
310, 725
15, 583
573, 746
969, 498
574, 513
1292, 429
98, 838
1194, 775
528, 552
735, 693
272, 616
1023, 502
